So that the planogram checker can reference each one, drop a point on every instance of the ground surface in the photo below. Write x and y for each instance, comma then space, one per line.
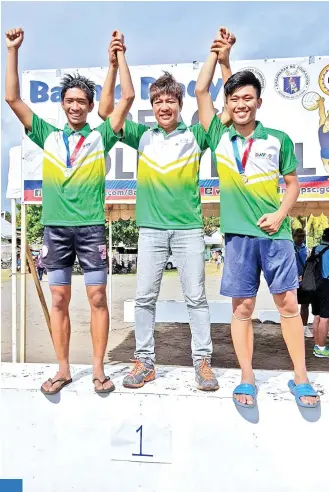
172, 340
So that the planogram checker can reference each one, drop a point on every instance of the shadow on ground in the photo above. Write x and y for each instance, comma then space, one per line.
173, 347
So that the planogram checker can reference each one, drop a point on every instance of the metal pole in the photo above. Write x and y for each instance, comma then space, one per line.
110, 270
22, 345
13, 282
306, 232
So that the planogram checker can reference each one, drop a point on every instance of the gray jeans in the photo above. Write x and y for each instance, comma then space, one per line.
153, 252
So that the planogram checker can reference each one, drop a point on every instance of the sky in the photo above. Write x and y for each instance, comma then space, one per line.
77, 34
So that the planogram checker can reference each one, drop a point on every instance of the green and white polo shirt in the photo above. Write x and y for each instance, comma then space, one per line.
242, 203
73, 196
168, 194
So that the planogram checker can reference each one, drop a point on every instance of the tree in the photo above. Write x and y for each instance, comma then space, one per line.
298, 222
34, 229
210, 225
124, 232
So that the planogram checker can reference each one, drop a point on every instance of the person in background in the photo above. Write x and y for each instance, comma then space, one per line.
304, 298
40, 268
321, 305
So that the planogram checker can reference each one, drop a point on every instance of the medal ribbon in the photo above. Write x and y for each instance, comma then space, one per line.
71, 158
241, 163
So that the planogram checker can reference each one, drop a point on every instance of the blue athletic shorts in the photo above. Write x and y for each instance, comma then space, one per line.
63, 244
247, 256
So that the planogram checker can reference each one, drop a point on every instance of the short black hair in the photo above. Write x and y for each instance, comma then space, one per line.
325, 235
241, 79
79, 82
299, 231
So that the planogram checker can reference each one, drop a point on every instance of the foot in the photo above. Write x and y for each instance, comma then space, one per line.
102, 383
324, 353
56, 382
142, 372
307, 400
204, 376
245, 399
307, 332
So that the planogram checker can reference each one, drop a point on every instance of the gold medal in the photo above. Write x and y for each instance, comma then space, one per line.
244, 178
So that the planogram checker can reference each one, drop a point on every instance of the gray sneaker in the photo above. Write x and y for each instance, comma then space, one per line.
142, 372
204, 376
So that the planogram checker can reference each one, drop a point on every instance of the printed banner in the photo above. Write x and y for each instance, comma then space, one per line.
295, 99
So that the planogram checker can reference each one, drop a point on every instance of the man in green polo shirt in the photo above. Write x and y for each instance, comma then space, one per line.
73, 194
257, 230
169, 216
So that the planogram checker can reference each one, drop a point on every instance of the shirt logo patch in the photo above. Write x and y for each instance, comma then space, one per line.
263, 155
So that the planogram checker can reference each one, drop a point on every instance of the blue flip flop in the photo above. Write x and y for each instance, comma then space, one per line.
245, 389
301, 390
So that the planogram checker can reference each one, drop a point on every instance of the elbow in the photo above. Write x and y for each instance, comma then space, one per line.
102, 114
200, 91
129, 97
11, 99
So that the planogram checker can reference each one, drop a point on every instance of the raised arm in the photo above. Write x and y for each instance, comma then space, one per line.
106, 109
222, 47
220, 51
106, 103
205, 104
121, 111
14, 39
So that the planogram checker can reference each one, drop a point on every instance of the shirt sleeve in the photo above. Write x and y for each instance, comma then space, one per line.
132, 133
109, 138
200, 136
40, 131
215, 132
288, 159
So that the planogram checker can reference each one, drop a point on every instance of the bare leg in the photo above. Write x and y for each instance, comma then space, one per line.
243, 341
321, 332
293, 334
304, 313
316, 322
99, 331
60, 330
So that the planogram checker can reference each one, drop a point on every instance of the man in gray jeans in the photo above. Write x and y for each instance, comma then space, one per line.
169, 215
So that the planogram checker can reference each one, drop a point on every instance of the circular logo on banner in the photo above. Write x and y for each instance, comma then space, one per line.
324, 80
292, 81
258, 74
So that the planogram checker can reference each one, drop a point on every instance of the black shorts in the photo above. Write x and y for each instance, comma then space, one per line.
304, 297
320, 305
61, 245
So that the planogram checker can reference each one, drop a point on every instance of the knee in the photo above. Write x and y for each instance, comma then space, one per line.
243, 308
196, 300
147, 296
287, 303
97, 299
60, 301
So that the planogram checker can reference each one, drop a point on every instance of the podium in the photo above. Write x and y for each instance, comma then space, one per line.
165, 437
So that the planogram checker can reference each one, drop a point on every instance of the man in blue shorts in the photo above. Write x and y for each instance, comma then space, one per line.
257, 231
73, 191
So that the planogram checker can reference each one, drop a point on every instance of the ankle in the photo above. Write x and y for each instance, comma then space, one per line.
247, 374
301, 375
64, 367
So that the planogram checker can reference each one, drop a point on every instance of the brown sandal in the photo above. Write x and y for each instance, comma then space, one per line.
57, 390
105, 390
